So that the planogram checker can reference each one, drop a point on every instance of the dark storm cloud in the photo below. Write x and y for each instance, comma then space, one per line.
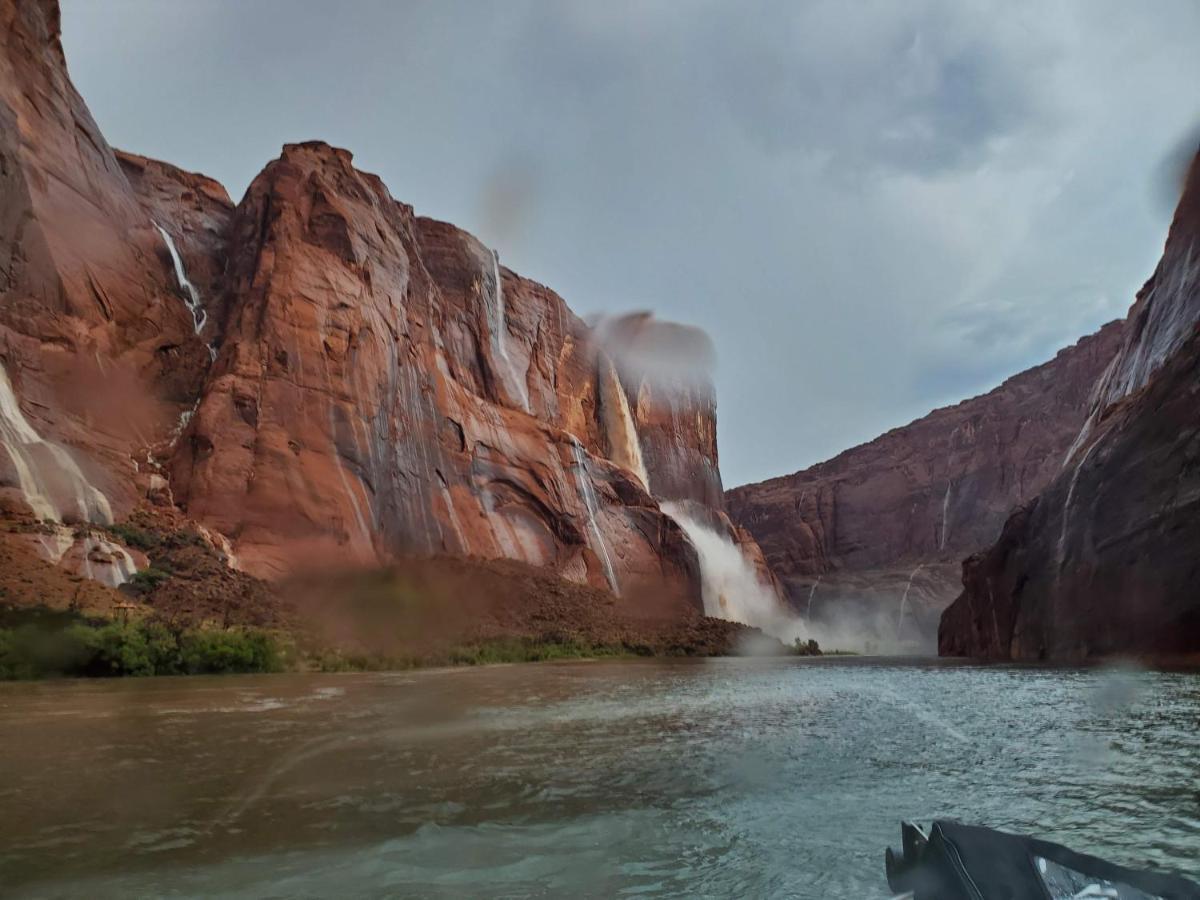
872, 208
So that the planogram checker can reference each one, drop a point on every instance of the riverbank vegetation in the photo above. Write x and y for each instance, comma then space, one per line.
44, 643
187, 612
38, 643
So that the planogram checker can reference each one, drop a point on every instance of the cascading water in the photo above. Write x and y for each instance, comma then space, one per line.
729, 582
1066, 513
45, 470
589, 501
945, 514
625, 448
904, 598
1166, 320
497, 327
192, 299
199, 316
116, 569
183, 421
811, 591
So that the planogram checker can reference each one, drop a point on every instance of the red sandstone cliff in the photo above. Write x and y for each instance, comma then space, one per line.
316, 375
889, 520
1103, 561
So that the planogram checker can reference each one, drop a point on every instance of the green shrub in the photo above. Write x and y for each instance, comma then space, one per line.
148, 579
132, 536
72, 646
209, 650
801, 647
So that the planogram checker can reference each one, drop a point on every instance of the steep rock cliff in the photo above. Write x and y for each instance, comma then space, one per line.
1103, 562
316, 375
886, 523
91, 327
384, 386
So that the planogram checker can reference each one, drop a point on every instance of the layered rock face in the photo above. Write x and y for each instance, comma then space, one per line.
1103, 562
95, 338
317, 375
384, 386
885, 524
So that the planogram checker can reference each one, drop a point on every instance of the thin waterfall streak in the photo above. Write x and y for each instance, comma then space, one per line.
904, 598
625, 448
811, 591
199, 315
1066, 513
497, 325
589, 500
945, 513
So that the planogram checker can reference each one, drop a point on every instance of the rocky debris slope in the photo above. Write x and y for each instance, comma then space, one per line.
315, 375
1103, 561
422, 609
886, 523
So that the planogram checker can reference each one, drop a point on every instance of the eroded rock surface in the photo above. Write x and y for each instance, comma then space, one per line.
887, 522
315, 376
1103, 561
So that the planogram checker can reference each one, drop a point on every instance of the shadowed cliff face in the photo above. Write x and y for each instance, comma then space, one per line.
1104, 561
317, 375
886, 523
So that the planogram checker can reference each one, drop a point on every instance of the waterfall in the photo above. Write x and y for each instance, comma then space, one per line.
339, 463
904, 598
624, 447
811, 591
185, 419
945, 513
114, 574
589, 501
199, 315
44, 468
497, 327
729, 582
1066, 513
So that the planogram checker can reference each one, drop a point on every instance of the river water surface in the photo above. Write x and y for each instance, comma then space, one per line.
734, 777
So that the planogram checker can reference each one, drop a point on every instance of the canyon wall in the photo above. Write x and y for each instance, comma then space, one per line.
1103, 561
874, 536
316, 375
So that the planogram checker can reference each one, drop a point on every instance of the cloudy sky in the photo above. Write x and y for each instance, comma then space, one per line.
874, 208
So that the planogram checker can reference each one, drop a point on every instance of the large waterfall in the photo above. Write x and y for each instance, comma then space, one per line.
49, 478
731, 585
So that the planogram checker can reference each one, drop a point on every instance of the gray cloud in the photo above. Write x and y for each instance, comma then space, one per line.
873, 208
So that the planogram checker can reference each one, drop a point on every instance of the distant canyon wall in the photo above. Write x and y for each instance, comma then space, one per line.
1103, 562
875, 535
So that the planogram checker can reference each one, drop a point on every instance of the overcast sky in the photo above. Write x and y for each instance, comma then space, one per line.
873, 208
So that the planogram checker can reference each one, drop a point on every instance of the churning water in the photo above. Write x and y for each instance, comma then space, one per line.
746, 777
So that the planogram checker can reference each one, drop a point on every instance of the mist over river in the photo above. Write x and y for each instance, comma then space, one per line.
730, 777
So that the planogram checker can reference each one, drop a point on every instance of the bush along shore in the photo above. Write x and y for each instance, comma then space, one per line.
189, 613
41, 643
